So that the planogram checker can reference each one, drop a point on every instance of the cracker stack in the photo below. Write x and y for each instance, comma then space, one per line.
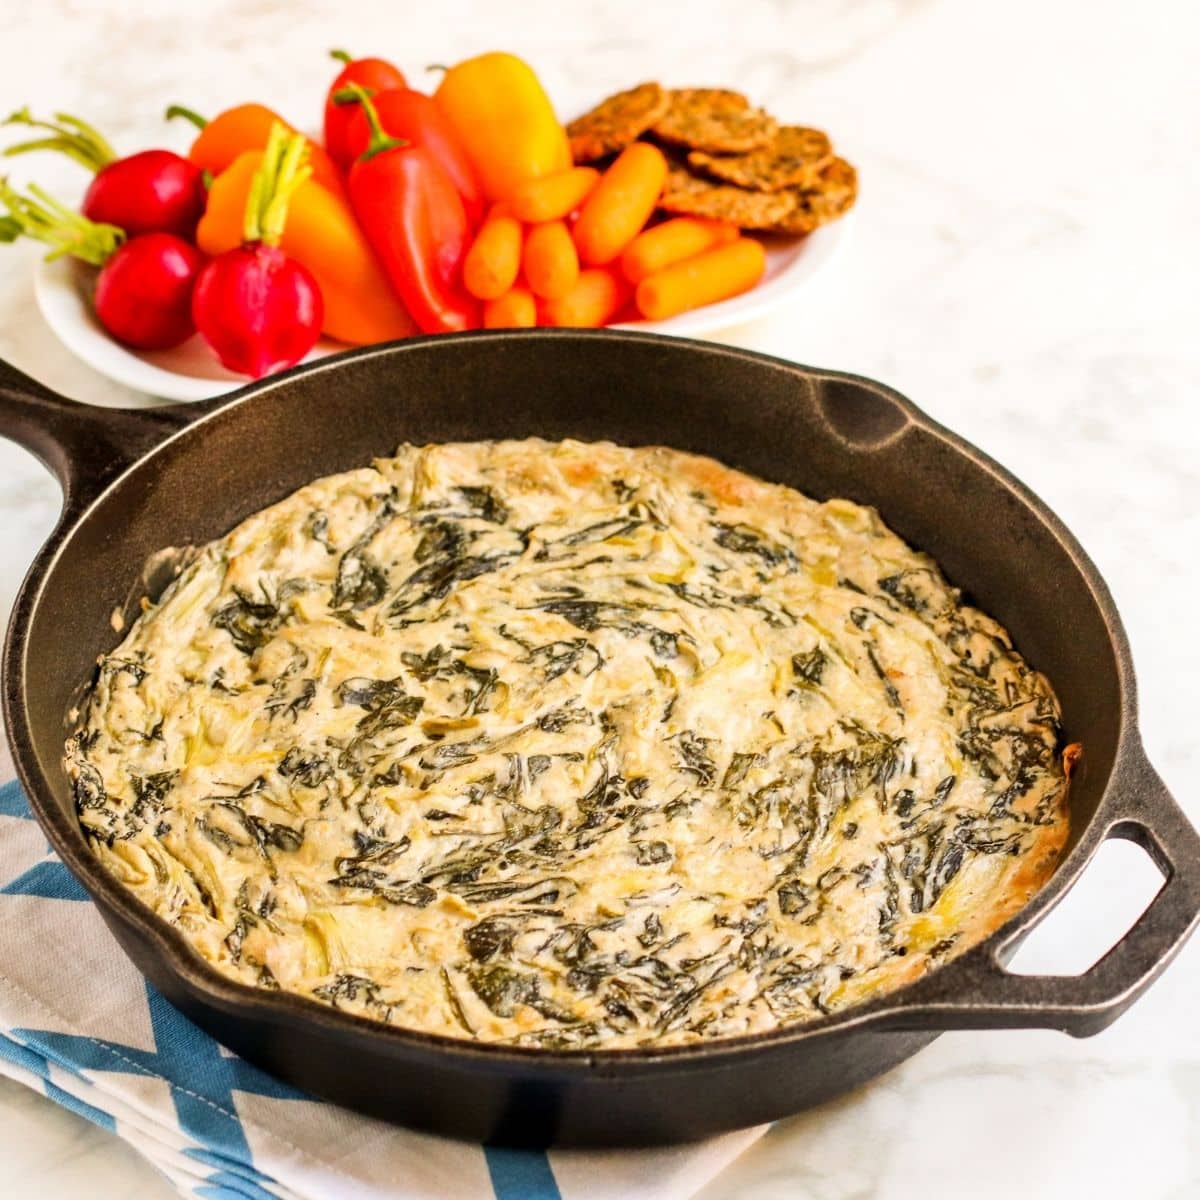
730, 161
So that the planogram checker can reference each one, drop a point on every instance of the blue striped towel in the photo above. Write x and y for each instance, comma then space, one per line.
78, 1023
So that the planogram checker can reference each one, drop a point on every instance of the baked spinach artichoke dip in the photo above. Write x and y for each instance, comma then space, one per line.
570, 745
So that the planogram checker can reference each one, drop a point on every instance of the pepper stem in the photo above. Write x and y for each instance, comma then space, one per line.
351, 94
342, 56
188, 114
41, 217
284, 168
380, 139
71, 136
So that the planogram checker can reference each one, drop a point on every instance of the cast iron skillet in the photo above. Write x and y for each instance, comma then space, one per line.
135, 481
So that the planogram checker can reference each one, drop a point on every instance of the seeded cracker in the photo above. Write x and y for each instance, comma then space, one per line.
836, 191
697, 197
616, 122
793, 159
714, 120
834, 196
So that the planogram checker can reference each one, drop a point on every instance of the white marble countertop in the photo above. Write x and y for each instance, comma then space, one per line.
1024, 266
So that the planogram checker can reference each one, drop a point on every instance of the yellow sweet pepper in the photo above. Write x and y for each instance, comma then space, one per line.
504, 121
360, 306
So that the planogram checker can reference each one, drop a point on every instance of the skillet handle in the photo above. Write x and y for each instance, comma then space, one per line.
84, 446
976, 992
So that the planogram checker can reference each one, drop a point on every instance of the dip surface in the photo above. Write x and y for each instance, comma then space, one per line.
570, 745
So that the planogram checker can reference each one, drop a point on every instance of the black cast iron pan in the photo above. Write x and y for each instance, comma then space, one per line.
135, 481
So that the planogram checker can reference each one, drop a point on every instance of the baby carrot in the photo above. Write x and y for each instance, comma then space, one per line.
516, 309
620, 204
714, 275
491, 265
672, 242
553, 197
550, 263
594, 300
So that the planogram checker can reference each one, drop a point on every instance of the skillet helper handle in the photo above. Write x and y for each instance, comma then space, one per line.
83, 446
976, 992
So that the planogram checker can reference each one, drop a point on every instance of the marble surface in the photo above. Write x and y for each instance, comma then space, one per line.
1024, 266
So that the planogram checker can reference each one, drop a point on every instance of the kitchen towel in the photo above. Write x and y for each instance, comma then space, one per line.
78, 1023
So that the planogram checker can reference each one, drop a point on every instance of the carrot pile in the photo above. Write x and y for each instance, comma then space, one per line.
455, 210
573, 248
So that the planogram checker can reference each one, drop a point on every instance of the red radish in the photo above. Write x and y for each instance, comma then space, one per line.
259, 310
143, 294
149, 192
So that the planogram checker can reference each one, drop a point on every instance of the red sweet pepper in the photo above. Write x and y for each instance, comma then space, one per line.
413, 116
372, 74
414, 218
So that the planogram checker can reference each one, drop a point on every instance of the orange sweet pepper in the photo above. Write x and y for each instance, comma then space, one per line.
504, 121
247, 127
321, 233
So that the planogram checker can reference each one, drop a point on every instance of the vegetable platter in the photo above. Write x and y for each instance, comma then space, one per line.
182, 275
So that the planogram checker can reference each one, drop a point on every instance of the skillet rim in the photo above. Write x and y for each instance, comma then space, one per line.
243, 1001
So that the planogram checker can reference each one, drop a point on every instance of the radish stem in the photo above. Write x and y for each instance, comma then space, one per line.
40, 216
72, 136
284, 168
